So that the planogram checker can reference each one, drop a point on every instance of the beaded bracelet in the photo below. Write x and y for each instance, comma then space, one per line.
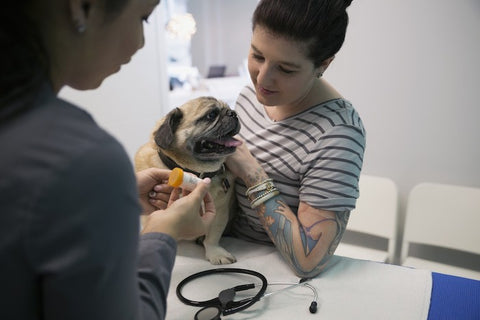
264, 197
265, 190
264, 185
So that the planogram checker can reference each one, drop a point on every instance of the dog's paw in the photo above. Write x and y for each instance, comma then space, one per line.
218, 255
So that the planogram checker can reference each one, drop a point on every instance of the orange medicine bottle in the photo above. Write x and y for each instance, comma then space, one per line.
180, 179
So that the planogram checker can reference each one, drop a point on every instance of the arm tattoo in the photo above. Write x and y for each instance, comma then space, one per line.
308, 240
342, 220
255, 177
278, 224
279, 228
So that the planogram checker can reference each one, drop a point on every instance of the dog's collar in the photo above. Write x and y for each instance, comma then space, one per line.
170, 163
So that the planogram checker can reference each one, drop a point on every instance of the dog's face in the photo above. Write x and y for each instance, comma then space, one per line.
198, 132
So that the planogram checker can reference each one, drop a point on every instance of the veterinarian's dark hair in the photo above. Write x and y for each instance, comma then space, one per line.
24, 63
322, 24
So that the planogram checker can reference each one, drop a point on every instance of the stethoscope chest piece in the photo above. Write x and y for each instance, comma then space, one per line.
208, 313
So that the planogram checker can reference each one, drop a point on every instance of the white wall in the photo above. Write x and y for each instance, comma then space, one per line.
223, 33
129, 103
412, 69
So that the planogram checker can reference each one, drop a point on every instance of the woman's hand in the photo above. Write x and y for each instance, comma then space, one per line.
153, 190
242, 163
185, 218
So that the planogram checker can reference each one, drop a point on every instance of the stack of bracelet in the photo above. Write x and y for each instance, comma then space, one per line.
261, 192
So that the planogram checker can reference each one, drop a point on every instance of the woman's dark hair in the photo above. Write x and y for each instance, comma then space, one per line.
322, 24
23, 60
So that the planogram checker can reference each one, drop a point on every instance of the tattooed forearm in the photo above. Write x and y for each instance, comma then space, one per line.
285, 230
255, 177
342, 220
279, 228
309, 239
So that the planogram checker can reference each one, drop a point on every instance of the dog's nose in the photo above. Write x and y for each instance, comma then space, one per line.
231, 113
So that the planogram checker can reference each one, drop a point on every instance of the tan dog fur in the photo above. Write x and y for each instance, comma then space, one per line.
177, 135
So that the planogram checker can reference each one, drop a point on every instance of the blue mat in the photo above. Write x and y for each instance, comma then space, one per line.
454, 298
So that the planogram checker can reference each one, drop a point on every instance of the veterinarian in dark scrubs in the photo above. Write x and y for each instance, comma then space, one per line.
69, 200
304, 142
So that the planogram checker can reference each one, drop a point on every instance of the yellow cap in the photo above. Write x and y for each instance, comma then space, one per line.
176, 177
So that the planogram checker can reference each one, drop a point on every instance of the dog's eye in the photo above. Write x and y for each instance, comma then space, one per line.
212, 115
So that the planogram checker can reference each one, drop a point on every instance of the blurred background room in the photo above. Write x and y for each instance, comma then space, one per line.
411, 69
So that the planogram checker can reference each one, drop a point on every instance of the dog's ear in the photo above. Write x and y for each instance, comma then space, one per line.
165, 134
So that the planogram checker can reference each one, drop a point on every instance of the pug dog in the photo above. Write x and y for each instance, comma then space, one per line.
197, 137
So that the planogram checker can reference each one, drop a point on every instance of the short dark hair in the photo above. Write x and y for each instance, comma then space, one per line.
321, 24
23, 59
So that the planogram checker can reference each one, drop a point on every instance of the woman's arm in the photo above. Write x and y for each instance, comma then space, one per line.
306, 242
307, 239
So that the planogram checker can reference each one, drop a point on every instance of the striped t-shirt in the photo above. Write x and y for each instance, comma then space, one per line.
315, 156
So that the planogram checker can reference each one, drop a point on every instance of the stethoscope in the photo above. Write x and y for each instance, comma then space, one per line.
225, 304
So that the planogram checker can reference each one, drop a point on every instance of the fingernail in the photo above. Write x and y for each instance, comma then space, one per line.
152, 194
207, 180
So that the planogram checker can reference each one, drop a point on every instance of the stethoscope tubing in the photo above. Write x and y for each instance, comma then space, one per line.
235, 306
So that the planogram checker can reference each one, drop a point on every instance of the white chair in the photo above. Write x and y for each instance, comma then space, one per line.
442, 216
376, 215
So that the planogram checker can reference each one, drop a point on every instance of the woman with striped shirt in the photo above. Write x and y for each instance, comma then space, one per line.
300, 162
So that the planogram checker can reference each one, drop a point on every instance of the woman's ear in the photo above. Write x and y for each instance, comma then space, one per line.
79, 13
323, 67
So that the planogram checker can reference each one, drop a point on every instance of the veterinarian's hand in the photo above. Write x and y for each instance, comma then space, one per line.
184, 219
163, 195
160, 195
150, 182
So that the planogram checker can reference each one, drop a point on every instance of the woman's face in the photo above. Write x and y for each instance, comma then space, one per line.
279, 69
108, 44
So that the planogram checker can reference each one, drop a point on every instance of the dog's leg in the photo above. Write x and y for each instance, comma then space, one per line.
213, 251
